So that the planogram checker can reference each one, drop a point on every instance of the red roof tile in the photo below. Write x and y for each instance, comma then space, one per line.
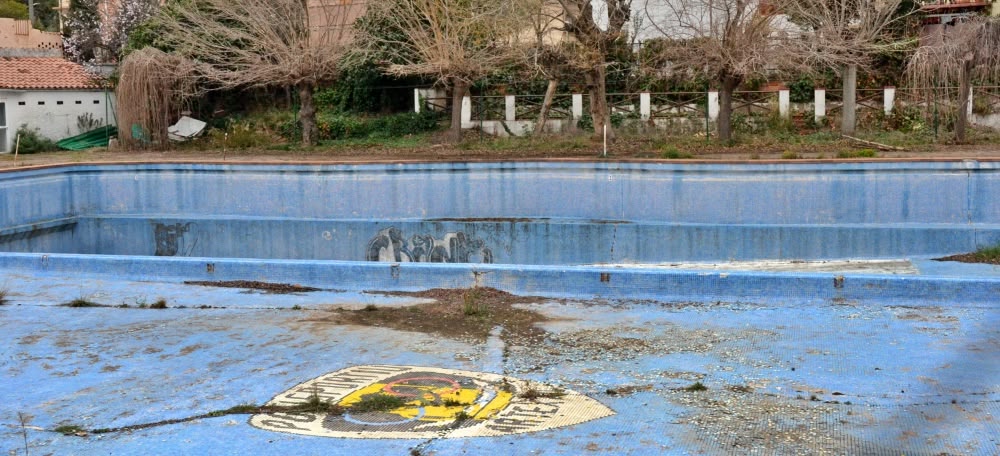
41, 73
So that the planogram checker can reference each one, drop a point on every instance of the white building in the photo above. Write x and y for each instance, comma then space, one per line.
51, 94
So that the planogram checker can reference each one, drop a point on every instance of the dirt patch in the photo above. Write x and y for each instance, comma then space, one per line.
971, 258
631, 148
30, 340
462, 314
276, 288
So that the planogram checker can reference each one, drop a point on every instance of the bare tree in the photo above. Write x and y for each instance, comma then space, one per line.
263, 43
845, 34
962, 53
728, 41
456, 41
596, 42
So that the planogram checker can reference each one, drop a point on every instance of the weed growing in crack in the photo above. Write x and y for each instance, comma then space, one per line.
377, 403
23, 419
695, 387
471, 306
4, 292
159, 304
370, 308
453, 403
82, 302
70, 429
532, 394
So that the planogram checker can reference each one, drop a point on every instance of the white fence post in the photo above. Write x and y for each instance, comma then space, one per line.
889, 99
819, 104
467, 112
416, 100
784, 103
644, 106
968, 108
577, 106
713, 105
510, 111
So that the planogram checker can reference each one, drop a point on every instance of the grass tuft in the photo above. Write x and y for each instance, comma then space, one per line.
988, 254
532, 394
69, 429
471, 306
82, 302
377, 403
695, 387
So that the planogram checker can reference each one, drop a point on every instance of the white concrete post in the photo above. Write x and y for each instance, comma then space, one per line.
416, 100
713, 105
644, 108
819, 103
968, 107
577, 106
889, 99
511, 109
467, 112
784, 103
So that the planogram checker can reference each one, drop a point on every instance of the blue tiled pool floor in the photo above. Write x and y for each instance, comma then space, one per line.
849, 377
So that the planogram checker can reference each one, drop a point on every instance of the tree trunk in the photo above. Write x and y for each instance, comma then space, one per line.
307, 114
599, 102
725, 123
543, 113
458, 91
849, 110
964, 89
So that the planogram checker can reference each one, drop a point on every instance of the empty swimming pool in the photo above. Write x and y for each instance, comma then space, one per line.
519, 226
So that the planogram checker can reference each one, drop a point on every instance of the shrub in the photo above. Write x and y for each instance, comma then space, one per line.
32, 141
238, 135
907, 119
13, 9
863, 153
344, 126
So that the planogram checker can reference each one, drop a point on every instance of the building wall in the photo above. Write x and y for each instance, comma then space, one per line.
18, 34
55, 113
332, 20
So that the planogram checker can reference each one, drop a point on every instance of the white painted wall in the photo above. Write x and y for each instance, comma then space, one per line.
42, 109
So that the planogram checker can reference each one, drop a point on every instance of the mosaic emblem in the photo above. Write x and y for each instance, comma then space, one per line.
429, 402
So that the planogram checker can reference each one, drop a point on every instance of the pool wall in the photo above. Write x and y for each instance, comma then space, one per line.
320, 224
525, 213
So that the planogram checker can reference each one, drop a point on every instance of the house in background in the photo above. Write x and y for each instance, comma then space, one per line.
945, 12
57, 97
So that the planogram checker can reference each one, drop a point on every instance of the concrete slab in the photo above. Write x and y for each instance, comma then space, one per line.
781, 378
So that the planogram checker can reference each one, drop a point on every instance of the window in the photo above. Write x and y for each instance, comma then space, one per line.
79, 102
41, 103
97, 101
21, 103
59, 102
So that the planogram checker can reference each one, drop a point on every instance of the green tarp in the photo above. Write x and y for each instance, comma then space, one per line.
93, 138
